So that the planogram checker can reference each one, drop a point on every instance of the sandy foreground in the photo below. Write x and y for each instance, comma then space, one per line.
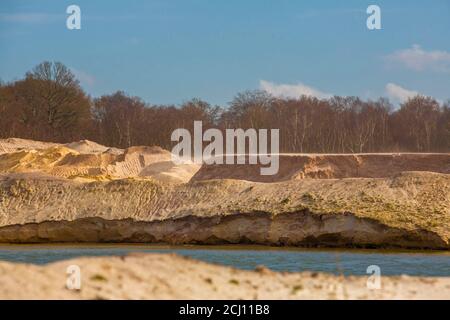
168, 276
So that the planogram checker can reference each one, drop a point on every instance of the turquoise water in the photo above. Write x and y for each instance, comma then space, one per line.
348, 262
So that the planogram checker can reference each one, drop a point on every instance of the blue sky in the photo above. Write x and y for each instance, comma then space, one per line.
169, 51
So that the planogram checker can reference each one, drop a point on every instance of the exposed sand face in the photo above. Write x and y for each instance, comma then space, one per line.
84, 146
88, 161
332, 166
90, 147
157, 276
87, 192
410, 210
16, 144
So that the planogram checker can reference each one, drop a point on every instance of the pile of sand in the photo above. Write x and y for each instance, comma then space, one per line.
89, 161
158, 276
16, 144
90, 147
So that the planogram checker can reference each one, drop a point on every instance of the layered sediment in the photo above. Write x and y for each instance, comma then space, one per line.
410, 210
86, 192
331, 166
292, 229
88, 161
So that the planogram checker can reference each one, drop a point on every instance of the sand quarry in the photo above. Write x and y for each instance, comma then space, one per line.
87, 161
84, 192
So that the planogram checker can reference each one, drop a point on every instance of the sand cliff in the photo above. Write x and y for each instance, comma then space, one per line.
332, 166
84, 192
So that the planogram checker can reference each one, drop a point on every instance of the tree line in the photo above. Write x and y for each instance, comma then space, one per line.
49, 104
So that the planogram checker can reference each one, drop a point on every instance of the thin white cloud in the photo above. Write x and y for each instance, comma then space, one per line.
84, 77
418, 59
292, 90
398, 93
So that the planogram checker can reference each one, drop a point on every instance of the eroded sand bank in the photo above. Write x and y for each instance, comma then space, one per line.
85, 192
410, 210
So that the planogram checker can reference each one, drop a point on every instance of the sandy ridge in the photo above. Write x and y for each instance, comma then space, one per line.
417, 203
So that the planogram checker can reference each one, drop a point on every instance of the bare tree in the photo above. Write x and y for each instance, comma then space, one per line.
49, 104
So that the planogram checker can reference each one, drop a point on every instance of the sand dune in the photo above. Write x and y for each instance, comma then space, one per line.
88, 161
16, 144
90, 147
